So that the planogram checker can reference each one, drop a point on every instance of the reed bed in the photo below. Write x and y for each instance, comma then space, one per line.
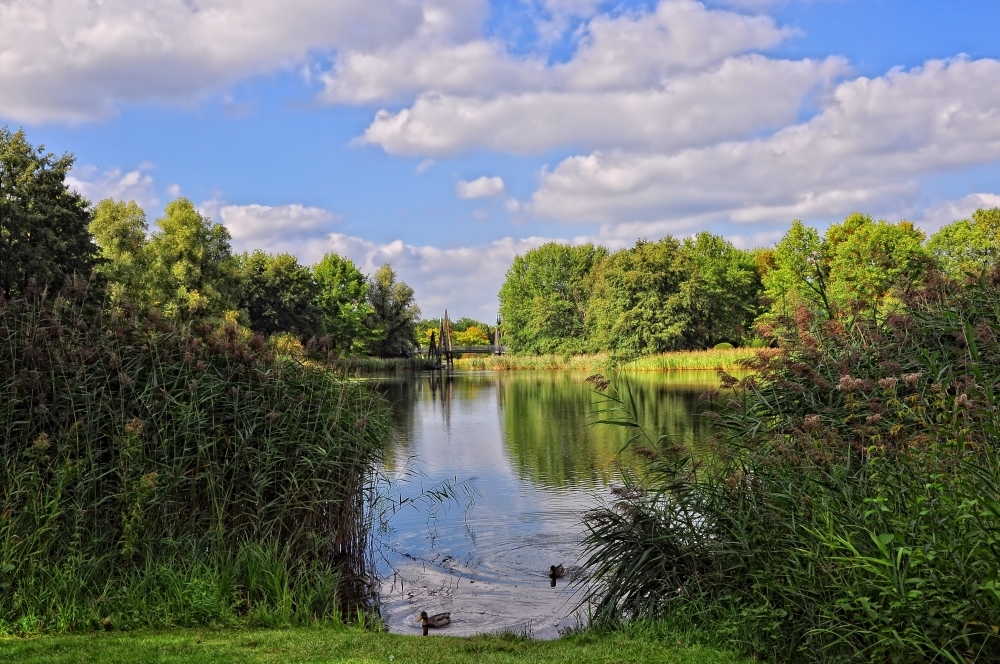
153, 474
359, 364
694, 360
729, 359
851, 511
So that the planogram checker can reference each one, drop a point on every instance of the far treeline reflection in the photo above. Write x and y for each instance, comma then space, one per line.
544, 418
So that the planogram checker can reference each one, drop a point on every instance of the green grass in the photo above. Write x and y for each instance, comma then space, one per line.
352, 645
689, 360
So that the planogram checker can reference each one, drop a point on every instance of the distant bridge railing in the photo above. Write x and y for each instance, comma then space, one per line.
468, 350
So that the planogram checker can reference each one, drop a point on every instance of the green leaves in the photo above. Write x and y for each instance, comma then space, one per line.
43, 224
394, 315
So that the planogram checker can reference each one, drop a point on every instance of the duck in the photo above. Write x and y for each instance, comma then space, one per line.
557, 572
437, 620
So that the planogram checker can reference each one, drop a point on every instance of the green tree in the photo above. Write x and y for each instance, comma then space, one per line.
856, 267
718, 299
192, 272
120, 230
869, 259
543, 301
394, 315
631, 290
968, 246
43, 224
278, 294
799, 274
342, 300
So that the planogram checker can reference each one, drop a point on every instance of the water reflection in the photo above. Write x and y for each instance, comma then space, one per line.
521, 438
545, 420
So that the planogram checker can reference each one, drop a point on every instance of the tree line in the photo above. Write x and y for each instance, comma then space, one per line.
701, 291
185, 268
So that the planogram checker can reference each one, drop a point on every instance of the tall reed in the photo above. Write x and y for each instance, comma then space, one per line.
851, 510
155, 474
693, 360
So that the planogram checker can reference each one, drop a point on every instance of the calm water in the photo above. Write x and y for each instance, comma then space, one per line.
516, 448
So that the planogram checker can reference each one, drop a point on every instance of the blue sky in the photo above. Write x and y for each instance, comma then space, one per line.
446, 136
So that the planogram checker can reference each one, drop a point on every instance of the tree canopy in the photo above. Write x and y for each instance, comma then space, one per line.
543, 301
278, 294
968, 246
191, 264
120, 229
342, 301
43, 223
394, 315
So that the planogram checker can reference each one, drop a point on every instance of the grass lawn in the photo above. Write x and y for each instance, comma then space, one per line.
346, 645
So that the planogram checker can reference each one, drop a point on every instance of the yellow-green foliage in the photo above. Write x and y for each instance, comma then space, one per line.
694, 360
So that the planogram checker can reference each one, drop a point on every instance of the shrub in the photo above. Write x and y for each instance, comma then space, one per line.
725, 345
851, 509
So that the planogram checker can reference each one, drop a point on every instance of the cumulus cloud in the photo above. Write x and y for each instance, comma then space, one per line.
481, 187
67, 60
679, 74
295, 229
739, 97
945, 212
866, 149
464, 279
95, 184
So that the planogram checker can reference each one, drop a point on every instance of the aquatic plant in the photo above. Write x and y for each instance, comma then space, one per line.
155, 474
851, 510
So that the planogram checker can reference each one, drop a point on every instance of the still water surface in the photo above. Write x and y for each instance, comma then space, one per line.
525, 466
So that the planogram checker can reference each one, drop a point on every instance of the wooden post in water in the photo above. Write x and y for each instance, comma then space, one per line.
446, 345
433, 351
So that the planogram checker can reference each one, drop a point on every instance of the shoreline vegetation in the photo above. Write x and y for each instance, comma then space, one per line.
164, 474
728, 359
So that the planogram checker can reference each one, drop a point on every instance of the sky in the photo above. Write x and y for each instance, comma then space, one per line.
447, 136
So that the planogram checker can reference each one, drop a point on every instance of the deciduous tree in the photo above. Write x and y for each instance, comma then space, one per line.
543, 301
120, 230
278, 294
342, 300
394, 315
968, 246
192, 272
43, 224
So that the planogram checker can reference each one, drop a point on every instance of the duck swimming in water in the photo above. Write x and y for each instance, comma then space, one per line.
556, 572
437, 620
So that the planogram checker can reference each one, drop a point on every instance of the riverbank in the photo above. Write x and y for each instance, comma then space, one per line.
693, 360
729, 359
337, 644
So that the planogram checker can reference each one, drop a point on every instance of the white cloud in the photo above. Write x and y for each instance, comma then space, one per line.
481, 187
630, 51
741, 96
676, 75
464, 279
866, 149
424, 166
945, 212
67, 60
95, 185
293, 228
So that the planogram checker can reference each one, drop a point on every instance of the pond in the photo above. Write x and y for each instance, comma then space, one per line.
523, 467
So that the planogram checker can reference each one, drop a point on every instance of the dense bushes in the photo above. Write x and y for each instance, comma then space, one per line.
851, 509
154, 474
